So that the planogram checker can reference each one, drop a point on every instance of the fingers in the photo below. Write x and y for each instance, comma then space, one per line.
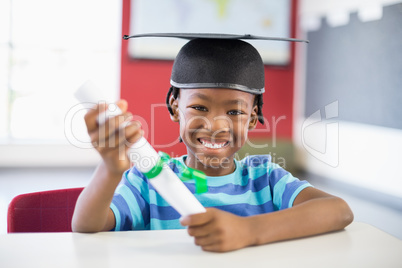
198, 219
207, 240
216, 247
116, 134
217, 230
133, 132
113, 126
209, 237
92, 115
202, 230
116, 131
123, 105
201, 226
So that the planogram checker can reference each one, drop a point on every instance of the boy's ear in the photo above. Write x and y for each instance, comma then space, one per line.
175, 108
253, 118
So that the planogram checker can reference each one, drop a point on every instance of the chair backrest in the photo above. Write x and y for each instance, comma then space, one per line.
48, 211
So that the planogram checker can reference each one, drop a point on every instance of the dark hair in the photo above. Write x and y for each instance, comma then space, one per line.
174, 91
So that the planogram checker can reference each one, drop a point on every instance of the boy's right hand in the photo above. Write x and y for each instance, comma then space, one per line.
113, 139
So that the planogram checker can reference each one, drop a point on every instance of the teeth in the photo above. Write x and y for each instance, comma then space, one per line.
213, 145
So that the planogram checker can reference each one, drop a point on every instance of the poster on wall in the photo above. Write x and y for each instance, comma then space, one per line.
255, 17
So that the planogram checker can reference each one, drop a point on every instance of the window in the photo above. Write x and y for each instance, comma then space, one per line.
47, 50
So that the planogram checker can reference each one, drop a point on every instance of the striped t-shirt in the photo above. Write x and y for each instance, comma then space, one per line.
257, 186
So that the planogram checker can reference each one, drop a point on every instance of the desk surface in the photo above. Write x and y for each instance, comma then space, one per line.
359, 245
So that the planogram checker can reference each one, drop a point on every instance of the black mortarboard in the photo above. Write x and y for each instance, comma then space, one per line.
218, 61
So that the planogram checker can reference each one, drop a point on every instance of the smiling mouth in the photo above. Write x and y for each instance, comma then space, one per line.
213, 145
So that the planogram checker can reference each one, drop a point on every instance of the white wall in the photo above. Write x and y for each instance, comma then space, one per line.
46, 155
363, 155
333, 9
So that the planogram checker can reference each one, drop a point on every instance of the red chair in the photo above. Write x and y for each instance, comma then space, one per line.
48, 211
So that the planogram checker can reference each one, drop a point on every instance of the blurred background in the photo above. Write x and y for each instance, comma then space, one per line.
332, 107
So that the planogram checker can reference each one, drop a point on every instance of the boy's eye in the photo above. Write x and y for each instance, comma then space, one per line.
199, 108
235, 112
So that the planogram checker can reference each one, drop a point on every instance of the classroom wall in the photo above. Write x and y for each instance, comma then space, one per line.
348, 126
144, 83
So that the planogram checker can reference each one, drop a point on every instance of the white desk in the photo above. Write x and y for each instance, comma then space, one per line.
360, 245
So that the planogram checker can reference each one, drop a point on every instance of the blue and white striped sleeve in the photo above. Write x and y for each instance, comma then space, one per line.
285, 187
130, 203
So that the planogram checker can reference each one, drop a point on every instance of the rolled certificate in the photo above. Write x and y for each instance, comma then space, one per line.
145, 158
166, 183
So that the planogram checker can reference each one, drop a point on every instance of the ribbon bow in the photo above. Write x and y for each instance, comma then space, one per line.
187, 173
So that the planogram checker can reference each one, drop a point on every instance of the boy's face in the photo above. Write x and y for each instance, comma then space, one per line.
214, 125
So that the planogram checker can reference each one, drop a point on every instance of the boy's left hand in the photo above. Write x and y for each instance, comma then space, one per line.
218, 231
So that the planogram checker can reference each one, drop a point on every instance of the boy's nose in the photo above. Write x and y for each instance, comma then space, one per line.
220, 124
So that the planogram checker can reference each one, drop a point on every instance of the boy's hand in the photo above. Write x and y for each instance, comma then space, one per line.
218, 231
114, 137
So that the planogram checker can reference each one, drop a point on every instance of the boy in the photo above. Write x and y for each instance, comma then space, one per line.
216, 97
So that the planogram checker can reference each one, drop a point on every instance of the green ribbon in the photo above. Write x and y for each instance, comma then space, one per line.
187, 173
